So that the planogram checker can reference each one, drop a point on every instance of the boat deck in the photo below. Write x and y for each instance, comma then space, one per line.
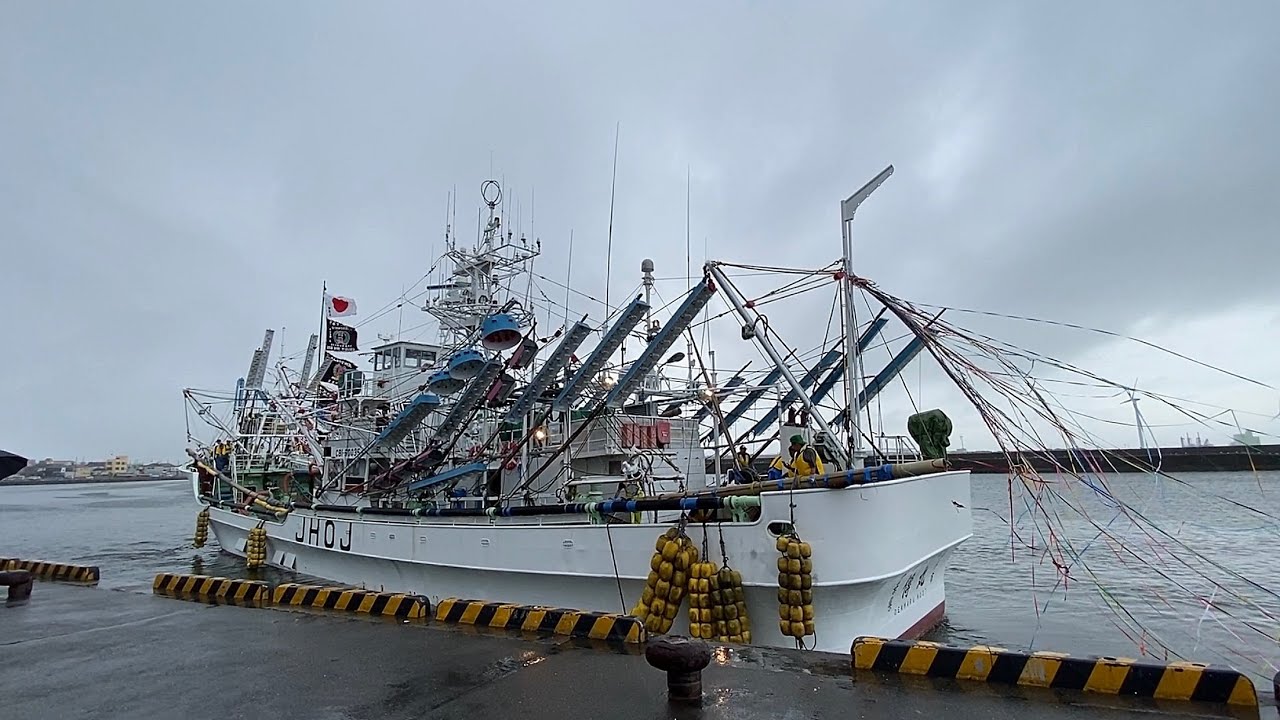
80, 652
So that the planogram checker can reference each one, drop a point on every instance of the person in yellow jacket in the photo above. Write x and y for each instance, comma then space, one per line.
804, 461
222, 456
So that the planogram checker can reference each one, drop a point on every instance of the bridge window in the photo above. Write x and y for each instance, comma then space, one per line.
386, 359
414, 358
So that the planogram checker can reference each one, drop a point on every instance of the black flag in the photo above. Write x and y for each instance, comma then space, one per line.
340, 338
335, 367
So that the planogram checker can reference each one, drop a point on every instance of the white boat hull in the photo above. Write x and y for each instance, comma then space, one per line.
880, 553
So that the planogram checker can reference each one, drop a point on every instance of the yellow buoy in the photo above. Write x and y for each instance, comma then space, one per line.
255, 547
202, 528
669, 581
795, 587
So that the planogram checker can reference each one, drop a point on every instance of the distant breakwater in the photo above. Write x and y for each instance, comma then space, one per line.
1225, 458
17, 480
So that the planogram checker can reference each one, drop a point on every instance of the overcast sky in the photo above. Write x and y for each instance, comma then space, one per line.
174, 178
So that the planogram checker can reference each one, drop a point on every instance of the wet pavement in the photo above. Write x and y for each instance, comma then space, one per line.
82, 652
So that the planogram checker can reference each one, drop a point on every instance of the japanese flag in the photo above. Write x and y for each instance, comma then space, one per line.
338, 306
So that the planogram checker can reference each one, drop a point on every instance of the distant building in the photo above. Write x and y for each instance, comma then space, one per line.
49, 468
158, 469
114, 467
1248, 437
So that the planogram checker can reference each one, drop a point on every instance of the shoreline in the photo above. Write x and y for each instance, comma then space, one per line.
89, 481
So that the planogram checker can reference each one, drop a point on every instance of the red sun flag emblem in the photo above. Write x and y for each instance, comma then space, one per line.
339, 306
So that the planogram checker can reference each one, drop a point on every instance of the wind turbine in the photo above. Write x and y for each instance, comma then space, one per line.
1158, 460
1137, 415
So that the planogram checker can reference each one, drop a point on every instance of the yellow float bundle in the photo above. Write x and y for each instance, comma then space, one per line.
202, 528
668, 581
255, 547
717, 605
795, 587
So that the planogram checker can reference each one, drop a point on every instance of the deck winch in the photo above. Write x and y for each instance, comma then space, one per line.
795, 587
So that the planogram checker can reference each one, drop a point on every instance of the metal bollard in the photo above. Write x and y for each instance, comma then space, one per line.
683, 660
19, 582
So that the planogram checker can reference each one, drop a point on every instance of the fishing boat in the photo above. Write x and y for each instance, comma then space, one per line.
576, 468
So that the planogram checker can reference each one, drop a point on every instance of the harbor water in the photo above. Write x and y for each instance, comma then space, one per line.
1131, 589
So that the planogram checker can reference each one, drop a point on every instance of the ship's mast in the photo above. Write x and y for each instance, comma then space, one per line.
852, 358
471, 292
650, 331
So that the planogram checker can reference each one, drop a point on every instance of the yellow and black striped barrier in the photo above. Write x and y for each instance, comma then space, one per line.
54, 571
400, 605
1112, 676
535, 618
216, 589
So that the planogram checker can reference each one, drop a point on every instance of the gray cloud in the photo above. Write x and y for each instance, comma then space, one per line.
174, 180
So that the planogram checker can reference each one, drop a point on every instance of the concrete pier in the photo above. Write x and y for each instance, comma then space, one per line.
83, 652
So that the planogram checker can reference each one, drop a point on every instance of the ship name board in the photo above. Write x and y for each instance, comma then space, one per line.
906, 594
324, 533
